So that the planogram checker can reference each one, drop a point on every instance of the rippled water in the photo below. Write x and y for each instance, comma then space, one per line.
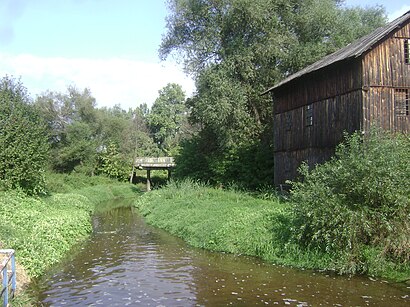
128, 263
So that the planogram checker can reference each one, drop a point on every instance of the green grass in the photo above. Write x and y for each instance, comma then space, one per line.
66, 183
217, 220
42, 231
239, 223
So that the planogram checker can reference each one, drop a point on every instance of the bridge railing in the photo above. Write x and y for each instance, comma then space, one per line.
8, 275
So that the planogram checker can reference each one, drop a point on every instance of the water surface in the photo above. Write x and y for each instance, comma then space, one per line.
129, 263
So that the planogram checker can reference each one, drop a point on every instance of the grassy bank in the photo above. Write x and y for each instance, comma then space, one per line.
42, 230
238, 223
215, 219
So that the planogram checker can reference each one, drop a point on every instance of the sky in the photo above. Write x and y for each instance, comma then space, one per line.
110, 47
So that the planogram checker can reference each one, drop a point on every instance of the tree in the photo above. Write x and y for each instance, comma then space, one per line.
112, 163
73, 128
23, 140
235, 49
167, 117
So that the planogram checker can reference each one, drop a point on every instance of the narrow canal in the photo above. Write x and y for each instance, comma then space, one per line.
129, 263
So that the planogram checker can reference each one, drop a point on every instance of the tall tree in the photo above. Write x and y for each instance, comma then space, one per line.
137, 139
235, 49
167, 117
23, 140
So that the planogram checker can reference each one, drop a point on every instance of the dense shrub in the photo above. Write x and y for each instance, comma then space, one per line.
249, 165
358, 200
23, 140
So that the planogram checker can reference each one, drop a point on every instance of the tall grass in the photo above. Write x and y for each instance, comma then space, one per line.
218, 220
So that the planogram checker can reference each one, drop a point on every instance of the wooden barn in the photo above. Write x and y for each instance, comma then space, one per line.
366, 82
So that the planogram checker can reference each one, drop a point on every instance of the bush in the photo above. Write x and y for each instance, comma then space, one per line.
358, 200
23, 140
248, 165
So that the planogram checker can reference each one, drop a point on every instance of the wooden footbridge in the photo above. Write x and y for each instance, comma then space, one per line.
149, 164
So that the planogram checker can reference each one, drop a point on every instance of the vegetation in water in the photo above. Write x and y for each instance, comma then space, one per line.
43, 230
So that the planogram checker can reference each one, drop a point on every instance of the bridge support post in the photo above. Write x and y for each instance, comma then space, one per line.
148, 180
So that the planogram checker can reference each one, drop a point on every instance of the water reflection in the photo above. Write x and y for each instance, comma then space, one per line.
127, 262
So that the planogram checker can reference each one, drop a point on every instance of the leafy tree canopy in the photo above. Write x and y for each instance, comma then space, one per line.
265, 33
23, 140
73, 126
167, 117
235, 49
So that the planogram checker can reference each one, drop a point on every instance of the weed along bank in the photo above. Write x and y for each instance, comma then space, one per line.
365, 83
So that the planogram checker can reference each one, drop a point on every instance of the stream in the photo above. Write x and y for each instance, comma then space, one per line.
126, 262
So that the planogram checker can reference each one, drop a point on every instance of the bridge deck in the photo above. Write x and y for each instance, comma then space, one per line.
155, 163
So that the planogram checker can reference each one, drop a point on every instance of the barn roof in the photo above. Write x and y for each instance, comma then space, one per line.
353, 50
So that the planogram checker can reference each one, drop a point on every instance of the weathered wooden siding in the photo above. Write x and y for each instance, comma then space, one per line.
384, 65
379, 109
384, 72
335, 95
403, 31
331, 117
327, 83
287, 163
295, 142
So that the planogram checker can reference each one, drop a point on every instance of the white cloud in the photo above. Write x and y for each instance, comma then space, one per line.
111, 81
405, 8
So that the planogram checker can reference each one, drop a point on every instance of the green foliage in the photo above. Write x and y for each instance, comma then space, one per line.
235, 49
23, 140
358, 201
41, 232
66, 183
222, 106
192, 160
77, 149
168, 117
236, 222
72, 125
80, 134
113, 165
249, 166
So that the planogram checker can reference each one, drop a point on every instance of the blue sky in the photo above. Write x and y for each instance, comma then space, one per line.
108, 46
